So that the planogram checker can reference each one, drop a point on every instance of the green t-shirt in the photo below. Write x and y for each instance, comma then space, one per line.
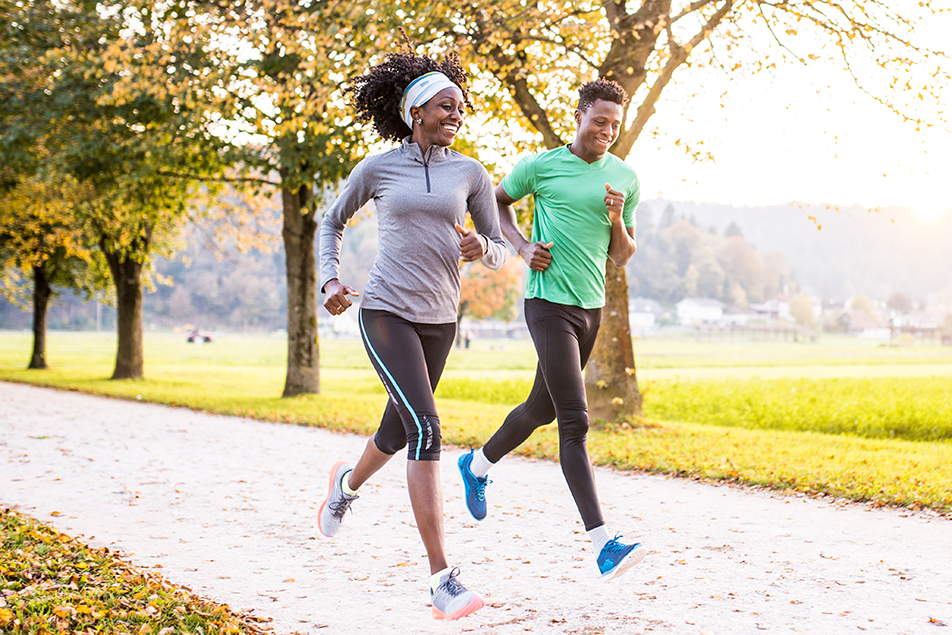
570, 212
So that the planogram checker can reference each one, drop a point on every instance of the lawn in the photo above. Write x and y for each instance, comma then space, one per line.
840, 417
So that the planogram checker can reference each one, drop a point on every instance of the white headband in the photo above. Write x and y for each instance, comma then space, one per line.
420, 91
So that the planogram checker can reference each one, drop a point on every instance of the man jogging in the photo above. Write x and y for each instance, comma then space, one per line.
585, 201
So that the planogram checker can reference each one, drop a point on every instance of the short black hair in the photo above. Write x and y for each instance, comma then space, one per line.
377, 93
605, 89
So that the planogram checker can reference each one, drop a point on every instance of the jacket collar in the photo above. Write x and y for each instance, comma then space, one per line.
433, 153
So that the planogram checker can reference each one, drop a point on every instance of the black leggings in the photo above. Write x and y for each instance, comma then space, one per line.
409, 359
564, 337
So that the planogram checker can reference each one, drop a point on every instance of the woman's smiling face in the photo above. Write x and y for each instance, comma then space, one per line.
442, 118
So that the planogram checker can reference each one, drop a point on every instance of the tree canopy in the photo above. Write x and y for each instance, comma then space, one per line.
531, 57
65, 93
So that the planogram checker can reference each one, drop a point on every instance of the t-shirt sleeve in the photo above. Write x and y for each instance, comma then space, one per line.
520, 182
632, 198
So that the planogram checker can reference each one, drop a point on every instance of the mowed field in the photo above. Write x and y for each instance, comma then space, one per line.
839, 417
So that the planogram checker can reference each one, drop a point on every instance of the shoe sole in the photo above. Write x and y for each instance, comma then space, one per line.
633, 558
474, 605
330, 490
459, 464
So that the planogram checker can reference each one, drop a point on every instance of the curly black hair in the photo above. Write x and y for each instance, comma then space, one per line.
377, 93
605, 89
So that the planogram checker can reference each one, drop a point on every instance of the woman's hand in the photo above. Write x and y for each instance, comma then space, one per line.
336, 300
471, 248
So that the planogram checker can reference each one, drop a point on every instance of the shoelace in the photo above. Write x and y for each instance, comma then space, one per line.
481, 484
339, 508
614, 545
452, 585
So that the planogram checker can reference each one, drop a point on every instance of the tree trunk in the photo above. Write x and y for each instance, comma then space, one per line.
299, 229
41, 301
610, 380
460, 312
127, 276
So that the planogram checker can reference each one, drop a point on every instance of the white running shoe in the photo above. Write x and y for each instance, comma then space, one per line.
336, 504
451, 600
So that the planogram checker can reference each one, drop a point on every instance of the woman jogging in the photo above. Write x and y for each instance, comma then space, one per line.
422, 191
585, 199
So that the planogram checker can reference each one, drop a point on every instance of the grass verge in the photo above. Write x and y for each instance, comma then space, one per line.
244, 378
52, 583
910, 408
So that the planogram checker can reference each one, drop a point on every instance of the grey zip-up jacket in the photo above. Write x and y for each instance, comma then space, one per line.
419, 198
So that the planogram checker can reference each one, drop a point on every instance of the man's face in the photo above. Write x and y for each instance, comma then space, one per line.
598, 127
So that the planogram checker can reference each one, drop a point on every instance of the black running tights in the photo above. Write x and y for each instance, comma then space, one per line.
564, 337
409, 359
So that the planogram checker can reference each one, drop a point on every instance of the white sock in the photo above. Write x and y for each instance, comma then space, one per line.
344, 485
435, 578
599, 537
480, 465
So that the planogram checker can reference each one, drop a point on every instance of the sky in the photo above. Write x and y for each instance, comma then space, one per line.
786, 138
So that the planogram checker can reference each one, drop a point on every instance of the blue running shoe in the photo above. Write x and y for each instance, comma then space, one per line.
616, 558
475, 487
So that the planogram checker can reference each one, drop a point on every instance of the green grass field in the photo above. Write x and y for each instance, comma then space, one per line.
840, 417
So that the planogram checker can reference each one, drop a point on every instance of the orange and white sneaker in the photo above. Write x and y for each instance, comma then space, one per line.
332, 511
451, 600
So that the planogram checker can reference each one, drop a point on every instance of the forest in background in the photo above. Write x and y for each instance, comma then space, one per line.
737, 255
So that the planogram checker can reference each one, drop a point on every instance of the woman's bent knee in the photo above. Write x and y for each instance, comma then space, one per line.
390, 444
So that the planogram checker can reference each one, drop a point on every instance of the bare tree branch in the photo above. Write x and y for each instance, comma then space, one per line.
678, 56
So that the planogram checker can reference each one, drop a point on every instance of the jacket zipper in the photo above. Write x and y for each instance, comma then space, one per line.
426, 167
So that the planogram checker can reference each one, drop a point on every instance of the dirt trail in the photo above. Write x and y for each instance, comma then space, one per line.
227, 507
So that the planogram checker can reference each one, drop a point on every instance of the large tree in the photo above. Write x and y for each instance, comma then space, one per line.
274, 85
63, 91
40, 241
536, 54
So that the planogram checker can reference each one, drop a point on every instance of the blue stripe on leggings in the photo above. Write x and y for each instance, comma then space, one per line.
363, 332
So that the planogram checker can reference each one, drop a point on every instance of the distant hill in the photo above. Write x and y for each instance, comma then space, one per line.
853, 252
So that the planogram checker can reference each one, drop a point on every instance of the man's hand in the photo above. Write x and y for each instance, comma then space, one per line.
336, 301
471, 247
614, 203
537, 255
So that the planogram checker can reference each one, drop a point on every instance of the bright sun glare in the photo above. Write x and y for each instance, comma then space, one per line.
932, 204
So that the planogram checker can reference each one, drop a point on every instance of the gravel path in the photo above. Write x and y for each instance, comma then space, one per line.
227, 507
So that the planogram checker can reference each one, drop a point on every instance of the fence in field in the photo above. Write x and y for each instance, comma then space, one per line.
754, 333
